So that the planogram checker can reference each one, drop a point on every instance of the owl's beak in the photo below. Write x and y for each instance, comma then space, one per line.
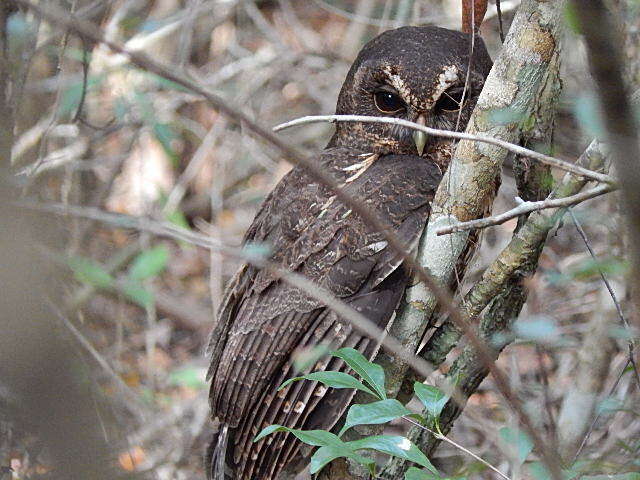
420, 138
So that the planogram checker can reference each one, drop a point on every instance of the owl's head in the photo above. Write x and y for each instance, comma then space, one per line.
417, 74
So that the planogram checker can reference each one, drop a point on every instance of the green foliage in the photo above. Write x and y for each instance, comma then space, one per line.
138, 293
178, 218
149, 263
395, 446
538, 330
87, 271
72, 96
538, 471
587, 112
371, 373
414, 473
517, 441
166, 135
331, 379
432, 398
190, 377
378, 412
325, 455
374, 413
571, 18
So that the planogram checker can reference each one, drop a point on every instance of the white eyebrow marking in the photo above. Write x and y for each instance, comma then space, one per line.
448, 77
400, 85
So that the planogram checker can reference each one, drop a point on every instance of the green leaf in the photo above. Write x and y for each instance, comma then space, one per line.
136, 292
609, 405
190, 377
374, 413
539, 330
518, 442
178, 218
538, 471
327, 454
87, 271
571, 18
316, 438
371, 373
395, 446
269, 430
331, 379
588, 113
416, 474
72, 96
149, 263
431, 397
165, 135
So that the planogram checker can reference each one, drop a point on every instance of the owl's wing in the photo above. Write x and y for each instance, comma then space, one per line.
267, 320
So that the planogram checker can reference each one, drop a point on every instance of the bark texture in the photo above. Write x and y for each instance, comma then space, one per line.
467, 191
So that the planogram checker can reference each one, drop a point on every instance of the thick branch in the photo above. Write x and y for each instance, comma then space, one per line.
468, 188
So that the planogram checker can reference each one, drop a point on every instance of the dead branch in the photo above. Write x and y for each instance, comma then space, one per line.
527, 207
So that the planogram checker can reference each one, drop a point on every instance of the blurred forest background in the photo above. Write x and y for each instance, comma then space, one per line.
135, 306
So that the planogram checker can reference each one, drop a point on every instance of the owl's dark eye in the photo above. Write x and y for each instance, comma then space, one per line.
388, 102
450, 100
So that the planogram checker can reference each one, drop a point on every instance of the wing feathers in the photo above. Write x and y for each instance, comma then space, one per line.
263, 321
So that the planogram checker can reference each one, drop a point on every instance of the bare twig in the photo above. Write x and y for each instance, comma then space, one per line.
612, 294
444, 438
526, 207
517, 149
133, 400
597, 416
55, 110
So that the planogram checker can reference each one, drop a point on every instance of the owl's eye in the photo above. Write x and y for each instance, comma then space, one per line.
388, 102
450, 100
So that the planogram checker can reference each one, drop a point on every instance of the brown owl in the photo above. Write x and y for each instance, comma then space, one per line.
413, 73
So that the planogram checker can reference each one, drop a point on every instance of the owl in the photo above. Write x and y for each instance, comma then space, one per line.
413, 73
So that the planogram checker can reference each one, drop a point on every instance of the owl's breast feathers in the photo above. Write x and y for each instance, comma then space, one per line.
263, 320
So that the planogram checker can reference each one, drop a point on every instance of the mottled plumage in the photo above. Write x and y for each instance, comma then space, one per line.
264, 321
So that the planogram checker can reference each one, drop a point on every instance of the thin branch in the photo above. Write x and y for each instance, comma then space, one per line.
55, 110
444, 438
500, 27
133, 400
517, 149
597, 417
526, 207
623, 320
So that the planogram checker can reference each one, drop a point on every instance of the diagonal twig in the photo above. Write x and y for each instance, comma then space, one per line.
526, 207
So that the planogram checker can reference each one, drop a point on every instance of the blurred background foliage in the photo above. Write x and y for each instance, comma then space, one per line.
93, 131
